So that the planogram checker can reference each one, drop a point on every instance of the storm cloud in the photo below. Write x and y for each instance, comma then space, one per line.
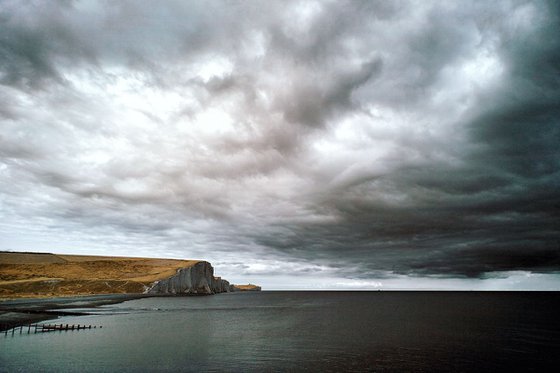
337, 144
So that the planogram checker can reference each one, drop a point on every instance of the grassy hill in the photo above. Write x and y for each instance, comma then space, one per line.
248, 287
46, 275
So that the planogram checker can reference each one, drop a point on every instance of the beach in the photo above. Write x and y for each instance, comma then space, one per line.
16, 312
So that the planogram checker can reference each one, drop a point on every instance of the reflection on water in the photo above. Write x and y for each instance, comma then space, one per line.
303, 331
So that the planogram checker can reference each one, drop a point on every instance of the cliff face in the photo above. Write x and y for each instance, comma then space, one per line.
32, 275
198, 279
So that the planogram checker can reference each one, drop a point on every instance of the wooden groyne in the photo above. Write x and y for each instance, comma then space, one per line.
43, 328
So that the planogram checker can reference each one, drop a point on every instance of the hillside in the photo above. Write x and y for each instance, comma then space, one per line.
47, 275
248, 287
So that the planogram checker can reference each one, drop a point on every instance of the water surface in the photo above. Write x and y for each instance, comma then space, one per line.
303, 331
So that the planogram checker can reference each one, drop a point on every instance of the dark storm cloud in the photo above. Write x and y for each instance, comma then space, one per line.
498, 211
382, 137
30, 46
24, 56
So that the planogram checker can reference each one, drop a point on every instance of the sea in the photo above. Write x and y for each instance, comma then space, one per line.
277, 331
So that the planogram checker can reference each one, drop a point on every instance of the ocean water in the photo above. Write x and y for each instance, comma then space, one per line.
303, 331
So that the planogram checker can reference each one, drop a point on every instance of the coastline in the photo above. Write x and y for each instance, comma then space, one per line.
36, 287
23, 311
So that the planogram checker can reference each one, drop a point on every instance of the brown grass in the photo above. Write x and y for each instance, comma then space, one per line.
247, 287
29, 258
44, 275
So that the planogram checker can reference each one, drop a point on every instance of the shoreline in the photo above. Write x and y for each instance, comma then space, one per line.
23, 311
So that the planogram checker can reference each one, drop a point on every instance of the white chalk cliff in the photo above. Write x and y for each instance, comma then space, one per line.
198, 279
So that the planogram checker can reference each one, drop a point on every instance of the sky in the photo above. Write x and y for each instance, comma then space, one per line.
294, 144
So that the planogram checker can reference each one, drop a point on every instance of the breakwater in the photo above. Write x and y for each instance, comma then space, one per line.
42, 328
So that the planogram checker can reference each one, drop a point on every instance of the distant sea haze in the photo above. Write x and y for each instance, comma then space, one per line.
304, 331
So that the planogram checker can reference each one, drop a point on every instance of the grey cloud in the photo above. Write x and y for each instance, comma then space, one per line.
11, 149
24, 57
31, 48
389, 138
312, 104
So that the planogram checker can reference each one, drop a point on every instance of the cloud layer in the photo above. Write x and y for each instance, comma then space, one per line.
352, 140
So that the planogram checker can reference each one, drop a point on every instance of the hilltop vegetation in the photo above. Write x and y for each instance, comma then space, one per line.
47, 275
